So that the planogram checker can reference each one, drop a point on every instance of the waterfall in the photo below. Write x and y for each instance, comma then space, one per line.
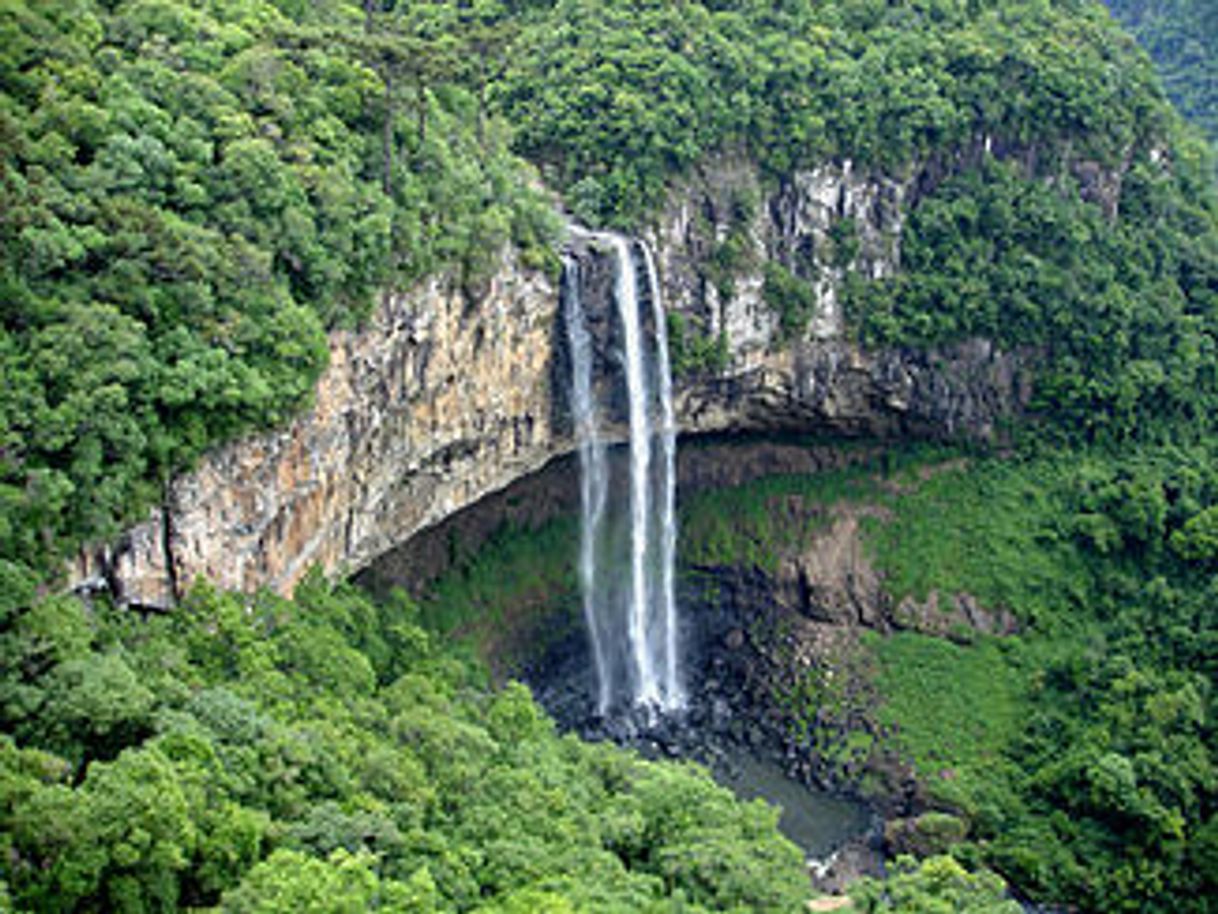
667, 433
646, 688
633, 627
593, 473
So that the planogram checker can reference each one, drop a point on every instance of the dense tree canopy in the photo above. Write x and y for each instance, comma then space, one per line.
190, 194
1182, 37
326, 755
610, 97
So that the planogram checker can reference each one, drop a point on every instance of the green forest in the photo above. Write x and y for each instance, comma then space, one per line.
194, 192
1182, 38
1081, 748
326, 754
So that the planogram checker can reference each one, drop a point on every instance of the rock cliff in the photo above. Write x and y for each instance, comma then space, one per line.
434, 404
715, 240
441, 400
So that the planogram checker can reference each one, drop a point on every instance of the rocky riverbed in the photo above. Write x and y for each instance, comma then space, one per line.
731, 725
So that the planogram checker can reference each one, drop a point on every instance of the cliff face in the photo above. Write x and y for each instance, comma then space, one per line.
436, 403
817, 226
441, 400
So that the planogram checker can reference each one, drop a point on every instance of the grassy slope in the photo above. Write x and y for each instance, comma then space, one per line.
496, 599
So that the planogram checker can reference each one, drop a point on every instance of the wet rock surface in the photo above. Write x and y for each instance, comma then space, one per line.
730, 724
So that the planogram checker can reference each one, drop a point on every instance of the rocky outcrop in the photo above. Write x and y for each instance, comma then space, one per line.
725, 225
437, 402
441, 399
965, 390
832, 580
715, 240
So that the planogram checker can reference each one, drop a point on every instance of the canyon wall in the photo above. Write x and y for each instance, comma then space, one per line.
437, 402
817, 226
441, 400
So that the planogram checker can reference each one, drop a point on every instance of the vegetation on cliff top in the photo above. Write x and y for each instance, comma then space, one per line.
613, 97
190, 193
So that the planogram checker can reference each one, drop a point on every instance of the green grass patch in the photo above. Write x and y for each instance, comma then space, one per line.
991, 529
956, 708
498, 596
755, 524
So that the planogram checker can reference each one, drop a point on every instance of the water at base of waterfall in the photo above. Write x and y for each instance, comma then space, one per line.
724, 725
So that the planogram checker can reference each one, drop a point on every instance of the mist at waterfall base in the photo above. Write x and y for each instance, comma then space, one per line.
670, 685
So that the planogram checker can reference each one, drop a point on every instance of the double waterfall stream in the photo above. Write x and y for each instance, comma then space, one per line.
632, 627
650, 690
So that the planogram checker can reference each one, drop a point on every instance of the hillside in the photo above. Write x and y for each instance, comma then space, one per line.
1181, 37
204, 201
193, 193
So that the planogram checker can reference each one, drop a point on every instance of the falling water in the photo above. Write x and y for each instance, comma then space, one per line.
646, 688
593, 473
667, 433
632, 627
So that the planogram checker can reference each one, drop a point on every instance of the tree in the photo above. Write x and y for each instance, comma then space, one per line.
1197, 540
937, 885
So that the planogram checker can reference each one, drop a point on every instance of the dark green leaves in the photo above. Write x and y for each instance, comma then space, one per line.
242, 753
189, 198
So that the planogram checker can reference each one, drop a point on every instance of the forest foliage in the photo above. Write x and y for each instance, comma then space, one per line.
1078, 752
1096, 786
191, 194
612, 97
1181, 37
328, 755
1118, 312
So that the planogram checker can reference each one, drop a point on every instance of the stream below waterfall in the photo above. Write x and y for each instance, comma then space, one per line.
722, 727
817, 821
642, 674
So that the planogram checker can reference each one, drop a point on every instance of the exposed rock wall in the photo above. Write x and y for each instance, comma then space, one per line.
818, 225
442, 400
436, 403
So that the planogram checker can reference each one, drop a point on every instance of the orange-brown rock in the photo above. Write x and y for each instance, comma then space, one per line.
435, 403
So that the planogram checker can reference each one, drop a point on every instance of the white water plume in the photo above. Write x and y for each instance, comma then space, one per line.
593, 473
635, 637
667, 433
